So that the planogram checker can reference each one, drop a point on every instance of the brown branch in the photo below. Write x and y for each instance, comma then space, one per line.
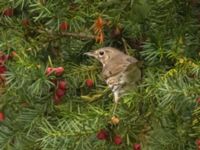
78, 35
70, 34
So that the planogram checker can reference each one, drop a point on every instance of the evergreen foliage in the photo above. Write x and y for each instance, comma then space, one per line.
162, 114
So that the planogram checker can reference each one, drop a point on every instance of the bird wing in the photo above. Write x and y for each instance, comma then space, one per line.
112, 70
115, 66
130, 59
133, 61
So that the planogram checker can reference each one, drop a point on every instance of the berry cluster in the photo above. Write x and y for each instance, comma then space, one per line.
3, 60
61, 85
9, 12
56, 71
60, 91
103, 134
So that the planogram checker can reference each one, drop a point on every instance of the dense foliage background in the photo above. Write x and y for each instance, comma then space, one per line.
37, 112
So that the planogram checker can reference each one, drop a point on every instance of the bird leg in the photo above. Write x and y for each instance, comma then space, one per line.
116, 99
114, 108
116, 96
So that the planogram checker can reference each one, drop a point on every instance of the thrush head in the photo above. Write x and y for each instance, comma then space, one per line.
104, 54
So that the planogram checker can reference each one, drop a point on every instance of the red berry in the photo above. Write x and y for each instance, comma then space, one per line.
117, 140
198, 100
62, 84
4, 58
59, 71
8, 12
56, 99
136, 147
102, 134
2, 117
64, 26
49, 70
2, 69
89, 83
198, 142
25, 22
60, 92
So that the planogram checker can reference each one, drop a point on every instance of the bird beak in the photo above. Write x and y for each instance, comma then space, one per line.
90, 54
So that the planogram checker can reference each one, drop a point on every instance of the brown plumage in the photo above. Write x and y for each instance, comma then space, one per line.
120, 71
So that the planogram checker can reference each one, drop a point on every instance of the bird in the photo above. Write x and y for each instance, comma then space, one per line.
120, 71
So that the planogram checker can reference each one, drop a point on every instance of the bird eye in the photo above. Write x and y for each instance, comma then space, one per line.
101, 53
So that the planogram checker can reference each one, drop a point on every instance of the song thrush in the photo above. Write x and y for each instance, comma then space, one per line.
120, 71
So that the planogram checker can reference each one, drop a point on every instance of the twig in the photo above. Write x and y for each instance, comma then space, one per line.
125, 45
79, 35
71, 34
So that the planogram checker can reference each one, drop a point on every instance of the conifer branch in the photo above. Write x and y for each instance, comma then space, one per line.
78, 35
